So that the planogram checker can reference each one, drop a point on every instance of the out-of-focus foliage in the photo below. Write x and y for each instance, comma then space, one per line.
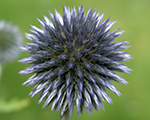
12, 105
131, 15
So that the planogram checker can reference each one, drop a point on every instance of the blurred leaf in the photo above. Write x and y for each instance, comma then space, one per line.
13, 105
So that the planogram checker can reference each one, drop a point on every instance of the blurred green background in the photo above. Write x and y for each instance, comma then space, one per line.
133, 16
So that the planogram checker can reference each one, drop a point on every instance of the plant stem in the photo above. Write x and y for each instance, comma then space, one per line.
65, 116
0, 71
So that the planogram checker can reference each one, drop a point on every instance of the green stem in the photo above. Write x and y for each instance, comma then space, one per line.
65, 116
0, 71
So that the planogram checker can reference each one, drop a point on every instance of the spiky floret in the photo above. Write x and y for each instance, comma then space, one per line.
10, 41
73, 58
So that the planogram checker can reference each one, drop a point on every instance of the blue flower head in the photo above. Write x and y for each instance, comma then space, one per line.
73, 59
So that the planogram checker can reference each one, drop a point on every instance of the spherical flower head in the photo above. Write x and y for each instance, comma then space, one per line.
10, 41
73, 59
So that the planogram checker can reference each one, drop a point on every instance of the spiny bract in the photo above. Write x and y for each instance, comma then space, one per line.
73, 58
10, 41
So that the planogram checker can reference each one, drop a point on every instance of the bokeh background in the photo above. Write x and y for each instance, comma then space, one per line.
133, 16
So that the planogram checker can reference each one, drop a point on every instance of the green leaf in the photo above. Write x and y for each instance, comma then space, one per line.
13, 105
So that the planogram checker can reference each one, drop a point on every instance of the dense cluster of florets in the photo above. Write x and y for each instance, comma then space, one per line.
73, 58
10, 41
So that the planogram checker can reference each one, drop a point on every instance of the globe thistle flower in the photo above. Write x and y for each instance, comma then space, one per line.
74, 59
10, 41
